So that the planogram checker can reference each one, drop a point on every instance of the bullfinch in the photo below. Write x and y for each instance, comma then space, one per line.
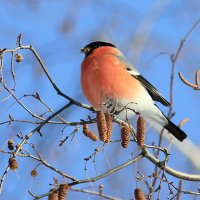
111, 83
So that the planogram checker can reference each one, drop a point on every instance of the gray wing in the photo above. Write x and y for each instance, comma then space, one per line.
153, 92
155, 95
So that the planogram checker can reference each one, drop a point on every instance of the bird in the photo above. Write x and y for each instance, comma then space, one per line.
110, 83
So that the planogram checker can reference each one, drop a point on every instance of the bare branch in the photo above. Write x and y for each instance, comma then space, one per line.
40, 159
192, 85
28, 136
174, 58
183, 122
169, 170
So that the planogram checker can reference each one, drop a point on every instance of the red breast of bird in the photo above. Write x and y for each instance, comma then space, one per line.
104, 77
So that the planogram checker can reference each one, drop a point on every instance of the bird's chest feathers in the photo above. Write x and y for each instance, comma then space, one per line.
106, 79
104, 76
95, 66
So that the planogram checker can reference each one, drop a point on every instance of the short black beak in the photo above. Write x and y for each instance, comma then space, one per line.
86, 50
82, 50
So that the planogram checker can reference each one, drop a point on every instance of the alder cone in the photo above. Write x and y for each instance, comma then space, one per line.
109, 126
102, 126
34, 173
139, 195
18, 57
13, 164
11, 144
125, 136
62, 192
53, 195
88, 133
141, 131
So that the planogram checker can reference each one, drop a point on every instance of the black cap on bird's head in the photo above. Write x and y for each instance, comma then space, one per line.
88, 49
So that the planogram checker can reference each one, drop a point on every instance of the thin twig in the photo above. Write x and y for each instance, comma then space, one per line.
111, 171
197, 77
29, 47
29, 135
179, 189
174, 58
135, 159
95, 193
12, 70
183, 122
44, 162
192, 85
169, 170
19, 102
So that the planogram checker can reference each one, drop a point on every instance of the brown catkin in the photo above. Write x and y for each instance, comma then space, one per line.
34, 173
141, 131
102, 126
53, 195
125, 135
88, 133
13, 163
109, 126
139, 195
18, 57
18, 145
101, 188
11, 144
62, 192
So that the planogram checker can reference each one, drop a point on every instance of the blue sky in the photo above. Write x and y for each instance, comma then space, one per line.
58, 30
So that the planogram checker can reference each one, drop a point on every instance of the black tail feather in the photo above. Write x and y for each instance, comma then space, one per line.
175, 130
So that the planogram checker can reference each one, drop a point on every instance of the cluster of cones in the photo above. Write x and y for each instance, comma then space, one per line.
104, 125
